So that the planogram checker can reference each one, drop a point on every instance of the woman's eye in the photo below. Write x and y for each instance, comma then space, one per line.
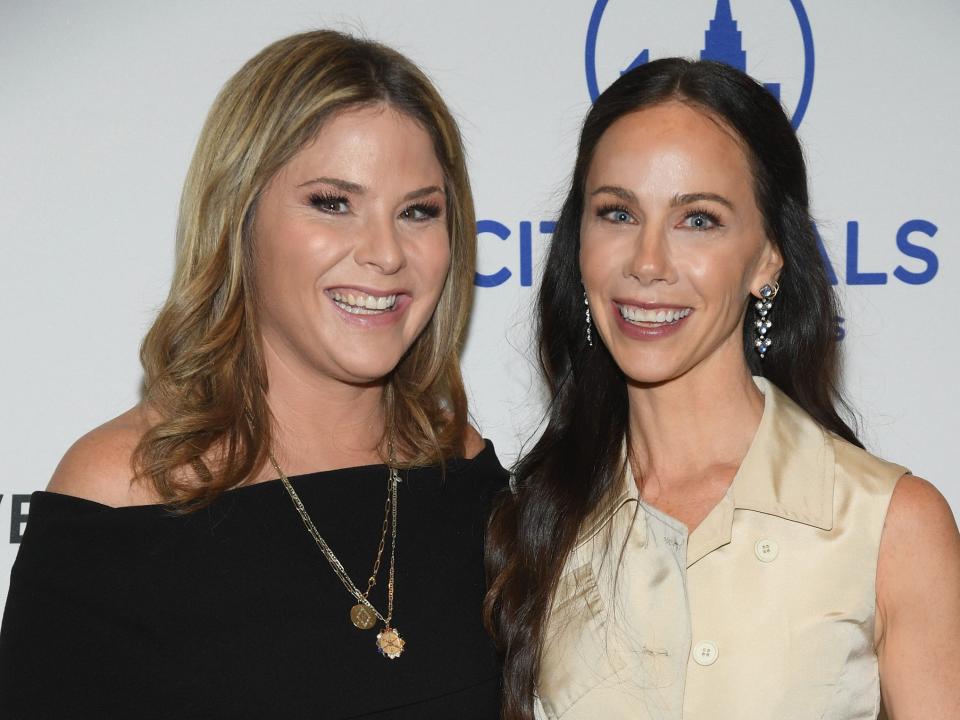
421, 212
615, 215
701, 221
330, 204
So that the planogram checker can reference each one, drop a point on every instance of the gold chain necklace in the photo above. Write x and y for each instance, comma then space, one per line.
363, 614
360, 616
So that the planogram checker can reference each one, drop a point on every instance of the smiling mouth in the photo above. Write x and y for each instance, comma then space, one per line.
652, 318
358, 303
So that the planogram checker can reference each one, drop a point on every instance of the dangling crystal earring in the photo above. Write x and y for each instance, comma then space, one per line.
762, 324
589, 323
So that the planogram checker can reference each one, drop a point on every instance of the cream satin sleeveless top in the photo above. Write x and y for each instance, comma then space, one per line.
765, 612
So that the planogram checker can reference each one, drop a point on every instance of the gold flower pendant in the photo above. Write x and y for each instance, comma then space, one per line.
389, 643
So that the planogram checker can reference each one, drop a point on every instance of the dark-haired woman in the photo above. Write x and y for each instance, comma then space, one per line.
290, 525
698, 533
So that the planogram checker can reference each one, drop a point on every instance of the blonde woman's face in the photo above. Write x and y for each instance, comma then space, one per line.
351, 247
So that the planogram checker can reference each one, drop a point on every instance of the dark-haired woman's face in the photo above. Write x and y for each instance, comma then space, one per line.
672, 242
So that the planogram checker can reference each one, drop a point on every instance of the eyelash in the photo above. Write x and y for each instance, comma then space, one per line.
430, 210
605, 210
712, 217
323, 201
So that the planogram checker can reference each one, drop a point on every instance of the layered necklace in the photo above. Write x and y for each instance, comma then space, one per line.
363, 614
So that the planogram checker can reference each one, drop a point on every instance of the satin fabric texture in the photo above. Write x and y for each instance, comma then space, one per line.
765, 611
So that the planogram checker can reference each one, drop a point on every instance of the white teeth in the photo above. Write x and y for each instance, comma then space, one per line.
639, 315
353, 310
363, 304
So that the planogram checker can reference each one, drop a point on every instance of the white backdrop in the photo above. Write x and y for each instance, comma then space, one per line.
102, 102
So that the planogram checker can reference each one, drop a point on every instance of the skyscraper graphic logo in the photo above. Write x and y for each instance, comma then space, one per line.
723, 41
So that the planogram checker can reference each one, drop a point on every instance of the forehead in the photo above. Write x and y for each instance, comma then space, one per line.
362, 142
672, 146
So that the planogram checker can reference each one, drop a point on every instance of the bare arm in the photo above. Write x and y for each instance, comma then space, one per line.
918, 605
99, 465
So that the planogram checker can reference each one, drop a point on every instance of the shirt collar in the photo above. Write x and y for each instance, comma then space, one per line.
600, 516
789, 469
787, 472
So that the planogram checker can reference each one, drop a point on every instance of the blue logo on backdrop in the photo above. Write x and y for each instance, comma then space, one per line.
724, 41
499, 230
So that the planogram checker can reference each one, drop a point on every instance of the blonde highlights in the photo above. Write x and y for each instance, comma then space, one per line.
204, 377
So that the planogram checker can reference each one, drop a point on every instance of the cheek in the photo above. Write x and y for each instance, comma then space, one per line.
716, 272
597, 259
431, 262
296, 250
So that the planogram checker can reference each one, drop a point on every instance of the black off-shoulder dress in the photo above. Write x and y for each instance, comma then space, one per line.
233, 612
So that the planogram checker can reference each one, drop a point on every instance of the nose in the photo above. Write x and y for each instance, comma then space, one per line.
651, 261
379, 247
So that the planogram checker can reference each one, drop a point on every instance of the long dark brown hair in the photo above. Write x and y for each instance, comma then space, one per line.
578, 459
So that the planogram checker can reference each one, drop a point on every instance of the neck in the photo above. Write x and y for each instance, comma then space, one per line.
704, 419
320, 423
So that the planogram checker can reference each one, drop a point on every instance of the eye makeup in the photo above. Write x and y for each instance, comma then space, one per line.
421, 211
711, 217
329, 202
604, 210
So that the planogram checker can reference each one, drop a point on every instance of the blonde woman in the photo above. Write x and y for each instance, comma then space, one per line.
291, 522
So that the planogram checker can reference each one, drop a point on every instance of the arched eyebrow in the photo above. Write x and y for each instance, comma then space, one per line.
345, 185
357, 189
617, 191
689, 198
675, 201
423, 192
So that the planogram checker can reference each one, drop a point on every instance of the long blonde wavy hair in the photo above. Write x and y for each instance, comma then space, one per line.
204, 377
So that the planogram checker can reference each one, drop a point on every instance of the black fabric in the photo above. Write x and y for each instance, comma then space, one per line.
233, 612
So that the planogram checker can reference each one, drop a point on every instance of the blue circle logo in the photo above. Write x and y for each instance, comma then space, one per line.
723, 40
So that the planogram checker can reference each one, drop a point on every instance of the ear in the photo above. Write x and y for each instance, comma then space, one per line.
769, 267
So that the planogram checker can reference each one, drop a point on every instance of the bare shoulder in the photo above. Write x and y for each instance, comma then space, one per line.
919, 549
99, 466
918, 510
473, 442
918, 604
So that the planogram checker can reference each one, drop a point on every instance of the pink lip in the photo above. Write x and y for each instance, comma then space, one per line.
648, 305
376, 292
645, 332
384, 319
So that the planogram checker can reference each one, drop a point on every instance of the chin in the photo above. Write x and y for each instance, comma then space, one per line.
652, 373
648, 380
365, 374
366, 368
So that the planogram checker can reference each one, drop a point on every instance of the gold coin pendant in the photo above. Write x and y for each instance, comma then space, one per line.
389, 643
362, 617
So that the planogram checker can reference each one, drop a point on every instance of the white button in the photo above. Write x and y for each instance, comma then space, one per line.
766, 550
705, 653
